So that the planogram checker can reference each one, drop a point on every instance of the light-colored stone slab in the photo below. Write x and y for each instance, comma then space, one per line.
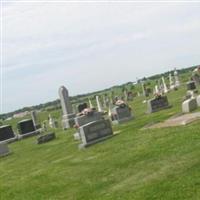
178, 121
198, 101
189, 105
4, 150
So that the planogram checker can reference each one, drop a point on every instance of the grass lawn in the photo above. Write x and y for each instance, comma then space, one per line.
135, 164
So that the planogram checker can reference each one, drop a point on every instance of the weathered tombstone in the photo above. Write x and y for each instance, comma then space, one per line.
94, 132
35, 119
51, 122
46, 138
26, 128
99, 106
121, 113
198, 100
157, 104
7, 134
191, 85
177, 82
68, 115
189, 105
4, 150
90, 104
196, 75
171, 82
165, 89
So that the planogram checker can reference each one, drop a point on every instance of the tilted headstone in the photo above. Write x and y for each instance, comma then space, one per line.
4, 150
26, 128
35, 119
191, 85
7, 134
52, 123
94, 132
46, 138
157, 104
68, 115
189, 105
99, 106
165, 89
171, 82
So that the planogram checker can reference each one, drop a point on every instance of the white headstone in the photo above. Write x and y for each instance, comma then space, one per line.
171, 82
165, 89
177, 82
198, 100
90, 104
68, 115
99, 107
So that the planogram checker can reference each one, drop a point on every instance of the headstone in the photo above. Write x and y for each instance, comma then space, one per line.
94, 132
189, 105
99, 106
157, 104
85, 119
68, 115
26, 128
196, 75
82, 106
177, 82
191, 85
51, 122
4, 150
198, 100
165, 89
171, 82
130, 96
35, 119
90, 104
7, 134
121, 113
46, 138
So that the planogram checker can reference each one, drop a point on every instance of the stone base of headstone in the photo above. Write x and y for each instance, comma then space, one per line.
189, 105
95, 132
10, 140
122, 120
46, 138
20, 136
68, 121
4, 150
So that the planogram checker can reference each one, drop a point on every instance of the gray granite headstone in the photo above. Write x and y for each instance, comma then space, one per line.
189, 105
157, 104
94, 132
4, 150
121, 114
198, 100
68, 115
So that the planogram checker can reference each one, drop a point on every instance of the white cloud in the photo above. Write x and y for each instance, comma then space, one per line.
92, 46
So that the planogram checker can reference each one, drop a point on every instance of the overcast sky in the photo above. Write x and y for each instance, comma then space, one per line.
91, 46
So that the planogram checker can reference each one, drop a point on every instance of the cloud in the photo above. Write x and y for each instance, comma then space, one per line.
91, 46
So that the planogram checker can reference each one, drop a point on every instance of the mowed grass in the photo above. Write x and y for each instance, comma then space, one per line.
135, 164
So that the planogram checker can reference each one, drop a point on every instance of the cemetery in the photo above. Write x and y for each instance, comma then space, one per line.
70, 152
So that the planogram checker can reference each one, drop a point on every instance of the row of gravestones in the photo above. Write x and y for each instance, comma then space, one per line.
92, 126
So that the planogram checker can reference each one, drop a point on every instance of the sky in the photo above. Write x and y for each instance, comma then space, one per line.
88, 46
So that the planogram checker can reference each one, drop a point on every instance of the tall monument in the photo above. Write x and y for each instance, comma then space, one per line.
68, 115
177, 82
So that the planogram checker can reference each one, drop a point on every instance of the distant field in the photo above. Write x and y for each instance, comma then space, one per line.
136, 164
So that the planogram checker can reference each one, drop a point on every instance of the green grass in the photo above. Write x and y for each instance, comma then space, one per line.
135, 164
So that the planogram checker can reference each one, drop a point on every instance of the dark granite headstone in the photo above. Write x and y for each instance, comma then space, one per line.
25, 126
191, 85
6, 133
94, 132
46, 138
157, 104
82, 106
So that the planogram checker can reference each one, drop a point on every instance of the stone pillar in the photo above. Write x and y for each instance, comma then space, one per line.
68, 115
171, 82
164, 86
177, 82
90, 104
99, 107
